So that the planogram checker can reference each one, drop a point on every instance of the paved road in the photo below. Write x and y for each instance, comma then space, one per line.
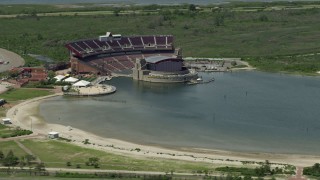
91, 171
298, 176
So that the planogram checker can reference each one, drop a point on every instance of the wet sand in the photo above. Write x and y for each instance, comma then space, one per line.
26, 116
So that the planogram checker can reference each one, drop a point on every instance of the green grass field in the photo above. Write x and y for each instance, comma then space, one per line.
227, 32
6, 146
23, 94
57, 154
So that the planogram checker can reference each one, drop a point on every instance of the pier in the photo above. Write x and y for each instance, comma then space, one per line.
92, 90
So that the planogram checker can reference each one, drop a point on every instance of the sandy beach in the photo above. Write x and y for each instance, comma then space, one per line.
25, 115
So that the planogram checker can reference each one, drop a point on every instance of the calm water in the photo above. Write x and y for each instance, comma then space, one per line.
242, 111
144, 2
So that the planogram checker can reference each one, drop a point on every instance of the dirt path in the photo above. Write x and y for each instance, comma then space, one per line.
28, 151
298, 176
31, 136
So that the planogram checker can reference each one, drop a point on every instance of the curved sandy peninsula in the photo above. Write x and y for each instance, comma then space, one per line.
25, 115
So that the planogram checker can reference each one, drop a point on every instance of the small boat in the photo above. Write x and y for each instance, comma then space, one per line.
199, 79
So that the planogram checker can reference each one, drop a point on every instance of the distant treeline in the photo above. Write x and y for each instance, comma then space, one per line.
273, 39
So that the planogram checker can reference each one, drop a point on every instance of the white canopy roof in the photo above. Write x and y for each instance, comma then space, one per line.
6, 119
59, 77
81, 83
71, 79
53, 133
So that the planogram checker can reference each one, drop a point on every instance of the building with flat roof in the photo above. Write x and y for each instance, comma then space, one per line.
53, 135
6, 121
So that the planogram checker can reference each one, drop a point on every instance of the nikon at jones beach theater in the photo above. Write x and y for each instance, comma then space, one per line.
149, 58
162, 69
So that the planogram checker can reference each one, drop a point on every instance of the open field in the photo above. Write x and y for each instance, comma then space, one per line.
23, 94
57, 154
15, 95
6, 146
290, 30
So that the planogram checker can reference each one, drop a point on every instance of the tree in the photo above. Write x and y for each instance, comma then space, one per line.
219, 20
40, 167
1, 155
22, 162
51, 74
10, 159
267, 166
28, 158
13, 73
263, 18
39, 37
264, 169
93, 161
316, 166
116, 11
192, 7
68, 163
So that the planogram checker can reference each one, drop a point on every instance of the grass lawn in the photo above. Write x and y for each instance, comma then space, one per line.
56, 154
6, 146
23, 94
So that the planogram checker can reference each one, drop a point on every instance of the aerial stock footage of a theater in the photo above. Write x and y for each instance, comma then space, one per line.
152, 58
160, 90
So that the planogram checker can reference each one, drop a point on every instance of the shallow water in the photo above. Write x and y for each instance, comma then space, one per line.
239, 111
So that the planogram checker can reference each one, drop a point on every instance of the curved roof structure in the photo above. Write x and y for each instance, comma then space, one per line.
96, 46
157, 59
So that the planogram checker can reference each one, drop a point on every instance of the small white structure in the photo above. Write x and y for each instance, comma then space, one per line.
6, 121
109, 37
71, 80
59, 77
53, 135
81, 83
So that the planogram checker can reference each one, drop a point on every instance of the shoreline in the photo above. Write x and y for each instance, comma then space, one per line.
26, 116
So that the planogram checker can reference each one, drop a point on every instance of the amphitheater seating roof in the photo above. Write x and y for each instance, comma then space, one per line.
89, 47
